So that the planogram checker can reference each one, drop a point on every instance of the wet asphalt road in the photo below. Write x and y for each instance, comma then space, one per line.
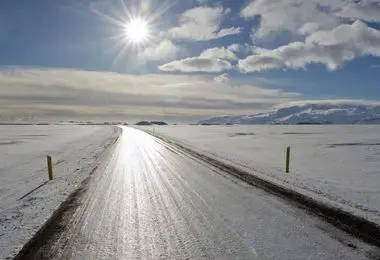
149, 202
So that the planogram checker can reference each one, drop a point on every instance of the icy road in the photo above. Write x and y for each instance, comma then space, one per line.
150, 201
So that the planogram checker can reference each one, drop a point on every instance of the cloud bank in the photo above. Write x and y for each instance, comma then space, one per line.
29, 93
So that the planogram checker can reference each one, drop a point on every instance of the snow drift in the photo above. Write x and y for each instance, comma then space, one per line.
318, 112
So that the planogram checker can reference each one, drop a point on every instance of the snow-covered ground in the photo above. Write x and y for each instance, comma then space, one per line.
150, 202
27, 200
337, 164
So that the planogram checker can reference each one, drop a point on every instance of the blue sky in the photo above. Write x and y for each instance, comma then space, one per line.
244, 56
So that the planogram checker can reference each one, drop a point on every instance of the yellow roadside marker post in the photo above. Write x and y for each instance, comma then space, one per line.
50, 167
287, 163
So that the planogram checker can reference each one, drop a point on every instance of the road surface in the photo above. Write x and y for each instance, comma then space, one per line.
149, 202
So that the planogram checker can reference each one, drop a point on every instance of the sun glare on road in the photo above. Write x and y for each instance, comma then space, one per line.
137, 30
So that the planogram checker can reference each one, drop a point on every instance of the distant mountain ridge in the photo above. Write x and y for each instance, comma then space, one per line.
308, 113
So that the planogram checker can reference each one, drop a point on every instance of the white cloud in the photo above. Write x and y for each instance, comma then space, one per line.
227, 31
367, 10
309, 28
259, 62
197, 64
219, 52
222, 78
62, 93
235, 47
164, 50
331, 48
306, 17
357, 37
288, 15
213, 60
202, 24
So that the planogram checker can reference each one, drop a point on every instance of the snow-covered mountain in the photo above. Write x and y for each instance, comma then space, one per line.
309, 113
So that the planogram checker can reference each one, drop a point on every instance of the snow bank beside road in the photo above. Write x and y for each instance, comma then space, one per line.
336, 164
75, 151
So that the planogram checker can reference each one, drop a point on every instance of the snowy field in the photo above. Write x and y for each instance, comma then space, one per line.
337, 164
27, 200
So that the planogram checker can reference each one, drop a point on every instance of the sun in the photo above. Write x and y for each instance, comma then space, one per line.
137, 30
135, 27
